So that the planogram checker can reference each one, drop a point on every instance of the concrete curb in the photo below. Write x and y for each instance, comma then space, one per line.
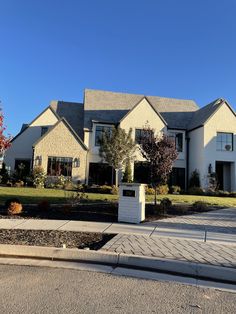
211, 272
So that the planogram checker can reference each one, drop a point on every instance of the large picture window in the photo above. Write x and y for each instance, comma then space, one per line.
59, 166
224, 141
100, 129
178, 139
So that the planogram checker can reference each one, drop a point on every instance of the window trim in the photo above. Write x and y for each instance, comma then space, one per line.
172, 134
106, 126
56, 175
222, 142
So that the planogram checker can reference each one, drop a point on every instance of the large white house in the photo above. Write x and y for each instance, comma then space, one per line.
64, 138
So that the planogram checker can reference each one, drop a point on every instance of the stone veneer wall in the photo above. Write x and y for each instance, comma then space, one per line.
60, 142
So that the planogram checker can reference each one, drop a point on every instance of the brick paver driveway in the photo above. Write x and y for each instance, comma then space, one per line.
223, 220
198, 251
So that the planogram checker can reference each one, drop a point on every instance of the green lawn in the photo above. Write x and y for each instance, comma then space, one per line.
33, 196
54, 196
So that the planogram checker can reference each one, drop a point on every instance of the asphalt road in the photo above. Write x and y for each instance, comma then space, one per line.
25, 289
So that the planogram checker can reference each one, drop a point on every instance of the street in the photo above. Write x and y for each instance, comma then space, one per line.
27, 289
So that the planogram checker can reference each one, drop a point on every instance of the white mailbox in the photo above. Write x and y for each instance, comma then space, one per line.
131, 202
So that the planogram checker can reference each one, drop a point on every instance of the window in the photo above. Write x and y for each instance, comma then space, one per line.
178, 139
44, 129
138, 136
224, 141
99, 131
59, 166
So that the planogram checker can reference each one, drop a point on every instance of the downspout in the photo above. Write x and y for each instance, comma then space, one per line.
187, 163
32, 161
86, 167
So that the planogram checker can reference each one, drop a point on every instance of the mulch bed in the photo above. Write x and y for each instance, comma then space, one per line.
80, 240
102, 212
86, 212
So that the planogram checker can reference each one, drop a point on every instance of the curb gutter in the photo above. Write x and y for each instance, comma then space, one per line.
215, 273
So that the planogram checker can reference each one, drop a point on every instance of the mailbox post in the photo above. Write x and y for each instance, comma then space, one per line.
131, 202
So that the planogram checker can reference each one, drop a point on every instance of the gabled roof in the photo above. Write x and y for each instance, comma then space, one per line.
110, 106
26, 126
202, 115
62, 120
149, 105
73, 112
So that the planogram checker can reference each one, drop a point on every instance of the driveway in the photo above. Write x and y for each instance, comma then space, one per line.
223, 221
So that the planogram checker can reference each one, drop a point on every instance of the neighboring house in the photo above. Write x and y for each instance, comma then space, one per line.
64, 138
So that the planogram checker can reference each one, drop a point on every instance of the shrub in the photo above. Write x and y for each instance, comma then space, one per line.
195, 191
200, 206
19, 184
223, 193
162, 189
61, 181
44, 205
194, 180
232, 194
175, 189
14, 208
75, 198
39, 177
114, 190
149, 191
165, 204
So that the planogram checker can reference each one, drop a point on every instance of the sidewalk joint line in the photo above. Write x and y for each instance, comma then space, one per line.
107, 227
153, 231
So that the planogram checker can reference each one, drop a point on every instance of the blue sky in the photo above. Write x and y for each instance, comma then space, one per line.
54, 49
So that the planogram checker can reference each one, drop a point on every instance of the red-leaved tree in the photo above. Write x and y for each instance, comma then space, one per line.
5, 141
160, 152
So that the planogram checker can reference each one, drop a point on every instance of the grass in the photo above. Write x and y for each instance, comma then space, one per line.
54, 196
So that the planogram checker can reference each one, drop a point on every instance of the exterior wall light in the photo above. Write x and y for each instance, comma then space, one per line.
38, 161
210, 169
76, 162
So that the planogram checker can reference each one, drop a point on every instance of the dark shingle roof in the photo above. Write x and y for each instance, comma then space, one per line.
72, 112
204, 113
111, 107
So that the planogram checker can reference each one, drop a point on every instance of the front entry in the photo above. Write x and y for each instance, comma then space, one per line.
224, 175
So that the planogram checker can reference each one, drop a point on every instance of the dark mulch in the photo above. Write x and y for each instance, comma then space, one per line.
79, 240
86, 212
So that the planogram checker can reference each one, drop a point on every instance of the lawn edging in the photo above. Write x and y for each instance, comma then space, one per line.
177, 267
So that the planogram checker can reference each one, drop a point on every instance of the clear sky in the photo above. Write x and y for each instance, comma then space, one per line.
54, 49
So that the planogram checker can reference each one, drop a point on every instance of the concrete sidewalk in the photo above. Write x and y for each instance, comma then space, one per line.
144, 229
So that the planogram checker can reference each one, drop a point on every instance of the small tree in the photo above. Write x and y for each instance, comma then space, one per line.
194, 180
116, 147
5, 141
127, 177
161, 153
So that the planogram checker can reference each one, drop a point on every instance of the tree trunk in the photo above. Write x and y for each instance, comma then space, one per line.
116, 178
112, 176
